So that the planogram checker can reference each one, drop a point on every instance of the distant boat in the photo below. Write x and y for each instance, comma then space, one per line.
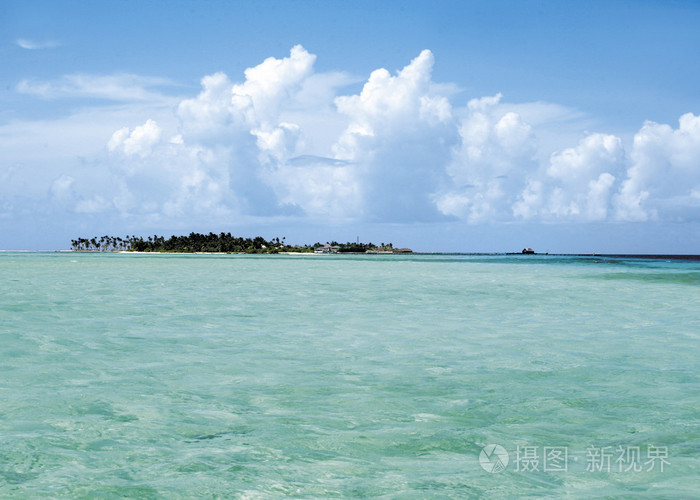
526, 251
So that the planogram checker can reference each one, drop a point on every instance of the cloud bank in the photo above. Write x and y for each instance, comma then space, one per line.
286, 141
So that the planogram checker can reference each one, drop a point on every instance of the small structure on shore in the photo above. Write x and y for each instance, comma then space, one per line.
528, 251
388, 250
327, 248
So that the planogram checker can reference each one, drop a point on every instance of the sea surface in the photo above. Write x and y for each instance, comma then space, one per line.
421, 376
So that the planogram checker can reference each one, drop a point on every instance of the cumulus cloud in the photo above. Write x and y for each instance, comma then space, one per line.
163, 178
594, 153
495, 151
396, 151
577, 184
664, 176
210, 116
268, 85
231, 139
283, 140
139, 141
400, 134
250, 132
246, 125
321, 187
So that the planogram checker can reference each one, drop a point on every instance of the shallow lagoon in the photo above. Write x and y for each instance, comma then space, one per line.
348, 376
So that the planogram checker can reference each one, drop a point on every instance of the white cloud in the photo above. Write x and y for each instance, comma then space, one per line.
167, 178
541, 114
321, 187
513, 134
278, 144
400, 134
28, 44
577, 184
598, 199
271, 83
485, 103
664, 173
231, 141
594, 153
119, 87
393, 104
210, 115
495, 152
247, 124
530, 200
285, 141
139, 141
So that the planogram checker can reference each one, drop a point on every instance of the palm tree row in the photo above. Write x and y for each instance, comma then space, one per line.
194, 242
102, 244
215, 243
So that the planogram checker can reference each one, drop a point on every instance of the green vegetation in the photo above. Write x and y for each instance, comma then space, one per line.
351, 247
195, 242
362, 248
219, 243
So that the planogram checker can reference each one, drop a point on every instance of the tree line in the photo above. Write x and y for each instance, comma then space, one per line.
213, 243
194, 242
352, 247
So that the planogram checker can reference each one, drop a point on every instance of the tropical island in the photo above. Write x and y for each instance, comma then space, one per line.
222, 243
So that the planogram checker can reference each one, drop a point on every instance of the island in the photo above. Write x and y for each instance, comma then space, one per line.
223, 243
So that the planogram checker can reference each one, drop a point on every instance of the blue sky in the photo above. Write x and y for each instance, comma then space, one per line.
443, 126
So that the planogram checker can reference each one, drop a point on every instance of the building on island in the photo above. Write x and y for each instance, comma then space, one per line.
327, 248
388, 250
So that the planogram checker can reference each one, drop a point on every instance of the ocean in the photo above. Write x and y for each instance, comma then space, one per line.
348, 376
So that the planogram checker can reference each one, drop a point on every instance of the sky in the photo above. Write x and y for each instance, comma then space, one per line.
450, 126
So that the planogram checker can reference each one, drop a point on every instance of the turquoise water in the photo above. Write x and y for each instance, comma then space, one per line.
173, 376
